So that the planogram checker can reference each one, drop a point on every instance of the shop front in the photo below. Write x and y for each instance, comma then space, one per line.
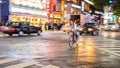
55, 17
32, 11
72, 11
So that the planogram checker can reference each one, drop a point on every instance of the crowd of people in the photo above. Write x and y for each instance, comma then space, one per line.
53, 26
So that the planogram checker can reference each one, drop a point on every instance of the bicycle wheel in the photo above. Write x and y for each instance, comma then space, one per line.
72, 42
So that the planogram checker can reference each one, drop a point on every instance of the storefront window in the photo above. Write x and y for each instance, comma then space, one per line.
75, 1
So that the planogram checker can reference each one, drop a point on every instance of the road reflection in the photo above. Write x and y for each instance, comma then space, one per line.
110, 34
85, 53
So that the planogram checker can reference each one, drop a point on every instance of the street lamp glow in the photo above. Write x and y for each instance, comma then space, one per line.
0, 1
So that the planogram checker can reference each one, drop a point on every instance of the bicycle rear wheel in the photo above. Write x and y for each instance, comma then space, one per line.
72, 42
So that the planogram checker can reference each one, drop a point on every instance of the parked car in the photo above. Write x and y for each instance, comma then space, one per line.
89, 28
112, 27
20, 28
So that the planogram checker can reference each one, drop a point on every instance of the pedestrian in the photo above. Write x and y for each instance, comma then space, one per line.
58, 26
49, 26
46, 23
52, 26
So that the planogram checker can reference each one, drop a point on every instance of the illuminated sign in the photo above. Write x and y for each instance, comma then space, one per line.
0, 1
82, 5
97, 12
28, 11
76, 6
75, 1
43, 1
62, 7
29, 3
49, 6
89, 2
86, 6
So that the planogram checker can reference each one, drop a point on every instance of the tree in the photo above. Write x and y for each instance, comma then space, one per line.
99, 4
116, 7
115, 4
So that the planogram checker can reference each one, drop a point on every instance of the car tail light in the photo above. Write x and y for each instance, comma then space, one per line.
11, 28
63, 27
2, 28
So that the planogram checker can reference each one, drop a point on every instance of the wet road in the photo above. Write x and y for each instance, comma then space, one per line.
51, 50
112, 35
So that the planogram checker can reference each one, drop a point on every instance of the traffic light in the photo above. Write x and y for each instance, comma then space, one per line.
110, 1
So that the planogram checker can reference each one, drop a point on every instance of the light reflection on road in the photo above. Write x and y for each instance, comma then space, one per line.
110, 34
84, 52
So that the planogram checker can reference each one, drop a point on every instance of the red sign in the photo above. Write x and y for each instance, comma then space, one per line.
49, 6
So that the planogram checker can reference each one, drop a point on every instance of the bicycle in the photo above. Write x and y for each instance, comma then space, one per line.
72, 40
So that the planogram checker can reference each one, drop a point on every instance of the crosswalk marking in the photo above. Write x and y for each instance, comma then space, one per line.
9, 60
117, 51
108, 45
22, 65
2, 55
50, 66
109, 51
111, 48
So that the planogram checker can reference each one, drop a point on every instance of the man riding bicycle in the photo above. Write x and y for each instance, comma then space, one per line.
73, 27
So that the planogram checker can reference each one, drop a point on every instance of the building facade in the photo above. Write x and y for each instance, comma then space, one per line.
4, 11
32, 11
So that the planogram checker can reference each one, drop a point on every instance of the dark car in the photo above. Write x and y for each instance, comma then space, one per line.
21, 28
89, 28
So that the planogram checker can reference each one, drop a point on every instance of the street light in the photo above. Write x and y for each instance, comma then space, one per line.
0, 1
110, 1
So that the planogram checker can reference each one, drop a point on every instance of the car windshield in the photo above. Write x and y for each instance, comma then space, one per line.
111, 23
14, 23
24, 24
90, 24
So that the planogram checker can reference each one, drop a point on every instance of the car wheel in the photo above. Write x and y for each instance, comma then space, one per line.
20, 33
10, 34
38, 32
28, 33
80, 33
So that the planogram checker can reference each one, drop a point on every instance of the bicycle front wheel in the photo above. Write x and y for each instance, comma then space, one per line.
72, 42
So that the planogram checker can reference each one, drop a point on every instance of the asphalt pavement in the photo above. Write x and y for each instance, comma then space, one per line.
111, 34
51, 50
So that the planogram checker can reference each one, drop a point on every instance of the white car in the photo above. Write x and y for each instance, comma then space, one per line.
111, 27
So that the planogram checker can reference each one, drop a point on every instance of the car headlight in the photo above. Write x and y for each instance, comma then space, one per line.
106, 26
113, 26
89, 29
